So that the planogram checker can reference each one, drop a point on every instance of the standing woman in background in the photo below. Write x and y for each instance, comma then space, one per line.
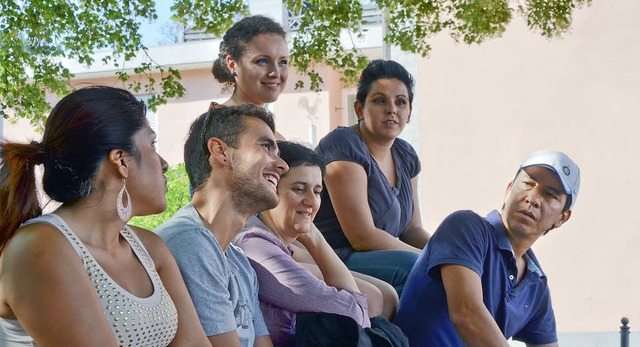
81, 276
370, 213
254, 61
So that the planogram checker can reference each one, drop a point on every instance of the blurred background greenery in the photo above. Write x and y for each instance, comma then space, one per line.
177, 197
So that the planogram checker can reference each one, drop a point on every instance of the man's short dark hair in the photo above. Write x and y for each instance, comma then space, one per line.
225, 123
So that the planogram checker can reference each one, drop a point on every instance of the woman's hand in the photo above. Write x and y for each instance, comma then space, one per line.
312, 239
333, 270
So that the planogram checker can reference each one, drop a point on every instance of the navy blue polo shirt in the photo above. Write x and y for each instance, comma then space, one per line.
464, 238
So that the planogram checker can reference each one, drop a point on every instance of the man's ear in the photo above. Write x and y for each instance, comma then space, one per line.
509, 186
218, 152
119, 160
357, 107
564, 217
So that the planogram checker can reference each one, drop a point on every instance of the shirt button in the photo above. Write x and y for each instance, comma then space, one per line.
511, 277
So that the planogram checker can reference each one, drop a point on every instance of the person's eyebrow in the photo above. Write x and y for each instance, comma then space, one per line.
524, 174
551, 188
382, 94
270, 141
556, 191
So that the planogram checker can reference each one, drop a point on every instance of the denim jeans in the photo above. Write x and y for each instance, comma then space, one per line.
391, 266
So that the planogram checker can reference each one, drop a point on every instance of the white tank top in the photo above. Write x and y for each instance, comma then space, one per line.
135, 321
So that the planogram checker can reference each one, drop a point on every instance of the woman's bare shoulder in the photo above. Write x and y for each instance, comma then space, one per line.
37, 256
38, 240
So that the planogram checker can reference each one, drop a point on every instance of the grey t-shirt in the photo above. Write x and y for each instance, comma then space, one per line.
222, 285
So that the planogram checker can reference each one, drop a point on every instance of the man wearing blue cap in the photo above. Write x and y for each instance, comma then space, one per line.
478, 283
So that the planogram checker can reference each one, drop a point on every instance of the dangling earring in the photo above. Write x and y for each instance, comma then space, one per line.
234, 74
124, 212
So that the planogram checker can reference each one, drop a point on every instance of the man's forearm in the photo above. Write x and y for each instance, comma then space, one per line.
467, 311
477, 328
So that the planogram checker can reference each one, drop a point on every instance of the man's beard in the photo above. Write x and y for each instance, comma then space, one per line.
249, 195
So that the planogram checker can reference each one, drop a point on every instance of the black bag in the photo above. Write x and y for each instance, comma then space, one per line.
314, 329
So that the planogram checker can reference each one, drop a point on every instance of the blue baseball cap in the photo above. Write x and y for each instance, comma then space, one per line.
568, 172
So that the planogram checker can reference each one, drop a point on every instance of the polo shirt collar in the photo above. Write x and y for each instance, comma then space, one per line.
504, 243
502, 236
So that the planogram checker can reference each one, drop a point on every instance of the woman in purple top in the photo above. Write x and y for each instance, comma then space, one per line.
286, 287
370, 212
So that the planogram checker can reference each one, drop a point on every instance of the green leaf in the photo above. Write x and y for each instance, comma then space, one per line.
35, 35
177, 197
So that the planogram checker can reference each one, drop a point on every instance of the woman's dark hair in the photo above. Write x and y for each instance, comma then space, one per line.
235, 40
379, 69
79, 133
295, 154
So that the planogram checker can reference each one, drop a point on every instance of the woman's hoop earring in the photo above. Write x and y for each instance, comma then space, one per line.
124, 212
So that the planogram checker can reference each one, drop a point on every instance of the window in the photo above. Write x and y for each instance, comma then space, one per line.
292, 19
351, 112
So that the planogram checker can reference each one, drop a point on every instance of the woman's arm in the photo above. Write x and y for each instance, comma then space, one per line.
415, 234
287, 284
47, 288
334, 272
382, 298
263, 341
229, 339
190, 332
383, 295
300, 254
347, 185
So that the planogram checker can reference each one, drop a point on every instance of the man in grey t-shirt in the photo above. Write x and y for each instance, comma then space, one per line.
232, 161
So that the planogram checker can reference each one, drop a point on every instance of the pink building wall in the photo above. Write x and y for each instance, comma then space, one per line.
484, 108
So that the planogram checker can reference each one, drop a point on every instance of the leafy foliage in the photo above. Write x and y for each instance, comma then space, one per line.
36, 36
411, 24
177, 197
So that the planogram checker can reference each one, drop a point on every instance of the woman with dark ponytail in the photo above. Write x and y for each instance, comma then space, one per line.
80, 276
